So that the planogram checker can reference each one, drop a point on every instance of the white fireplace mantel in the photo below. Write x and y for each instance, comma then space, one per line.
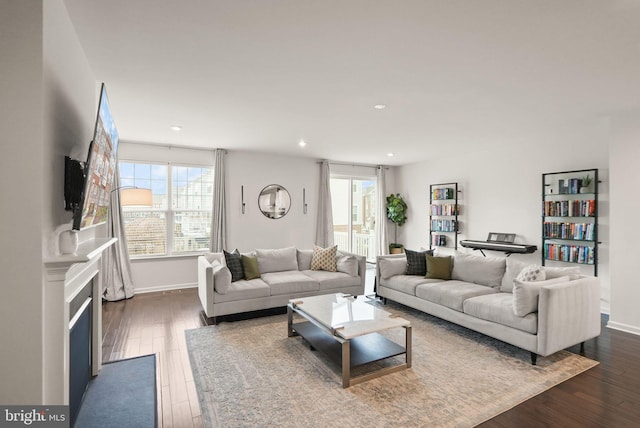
65, 276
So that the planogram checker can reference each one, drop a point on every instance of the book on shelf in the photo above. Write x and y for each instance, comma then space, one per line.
443, 193
569, 253
443, 225
444, 209
580, 231
438, 240
575, 208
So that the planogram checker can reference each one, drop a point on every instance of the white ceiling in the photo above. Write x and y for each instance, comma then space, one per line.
261, 75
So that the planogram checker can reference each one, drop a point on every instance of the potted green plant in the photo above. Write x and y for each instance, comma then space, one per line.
396, 212
585, 183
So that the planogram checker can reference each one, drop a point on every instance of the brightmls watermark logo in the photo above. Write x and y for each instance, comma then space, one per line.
34, 416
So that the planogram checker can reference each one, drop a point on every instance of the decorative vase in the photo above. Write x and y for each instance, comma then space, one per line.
68, 242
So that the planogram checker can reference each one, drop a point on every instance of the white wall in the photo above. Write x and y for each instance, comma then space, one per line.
47, 105
501, 189
21, 115
254, 171
624, 153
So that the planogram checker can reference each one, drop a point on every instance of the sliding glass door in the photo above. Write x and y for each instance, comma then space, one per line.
354, 209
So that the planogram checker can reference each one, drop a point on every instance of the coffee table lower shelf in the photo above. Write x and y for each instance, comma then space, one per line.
356, 351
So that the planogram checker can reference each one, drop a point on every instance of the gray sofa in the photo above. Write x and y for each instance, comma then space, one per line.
285, 274
484, 295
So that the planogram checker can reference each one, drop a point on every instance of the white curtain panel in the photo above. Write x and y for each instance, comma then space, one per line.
218, 216
324, 225
382, 242
117, 283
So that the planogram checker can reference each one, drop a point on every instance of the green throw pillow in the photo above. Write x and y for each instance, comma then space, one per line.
250, 265
438, 267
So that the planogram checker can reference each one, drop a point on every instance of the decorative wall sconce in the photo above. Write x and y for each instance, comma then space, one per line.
242, 196
304, 200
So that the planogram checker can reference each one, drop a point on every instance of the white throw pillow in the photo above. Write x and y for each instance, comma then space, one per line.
531, 273
347, 264
526, 294
304, 259
478, 270
392, 266
277, 260
221, 277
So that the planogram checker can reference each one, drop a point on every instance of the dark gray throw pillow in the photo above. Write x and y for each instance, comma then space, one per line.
417, 262
234, 263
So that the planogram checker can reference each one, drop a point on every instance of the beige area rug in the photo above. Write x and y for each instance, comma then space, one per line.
250, 374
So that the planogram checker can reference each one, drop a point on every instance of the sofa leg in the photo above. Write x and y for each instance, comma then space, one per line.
534, 358
384, 300
582, 347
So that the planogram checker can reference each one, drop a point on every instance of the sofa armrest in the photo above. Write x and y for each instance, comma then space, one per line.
568, 314
205, 285
362, 267
385, 257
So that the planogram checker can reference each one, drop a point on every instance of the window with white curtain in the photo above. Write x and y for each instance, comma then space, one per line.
179, 222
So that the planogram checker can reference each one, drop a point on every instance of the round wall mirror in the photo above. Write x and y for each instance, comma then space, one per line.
274, 201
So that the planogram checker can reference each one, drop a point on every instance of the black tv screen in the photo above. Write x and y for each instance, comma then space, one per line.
99, 169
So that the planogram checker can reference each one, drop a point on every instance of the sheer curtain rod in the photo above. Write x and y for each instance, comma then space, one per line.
171, 146
355, 164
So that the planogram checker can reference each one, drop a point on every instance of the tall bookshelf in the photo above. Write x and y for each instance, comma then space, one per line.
570, 218
443, 215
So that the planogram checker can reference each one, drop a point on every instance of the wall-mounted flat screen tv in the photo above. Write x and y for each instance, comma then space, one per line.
99, 169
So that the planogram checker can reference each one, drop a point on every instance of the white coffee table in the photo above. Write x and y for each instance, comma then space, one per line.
347, 330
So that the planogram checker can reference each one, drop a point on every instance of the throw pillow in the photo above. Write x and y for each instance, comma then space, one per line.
324, 258
234, 263
526, 294
347, 264
478, 270
250, 267
531, 273
392, 266
438, 267
221, 277
417, 262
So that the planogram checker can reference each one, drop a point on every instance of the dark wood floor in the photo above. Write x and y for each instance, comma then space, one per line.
605, 396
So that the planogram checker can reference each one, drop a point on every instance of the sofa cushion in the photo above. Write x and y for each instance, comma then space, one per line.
555, 272
332, 280
452, 293
243, 290
288, 282
513, 270
304, 259
525, 294
277, 260
391, 266
221, 277
250, 267
438, 267
347, 264
234, 263
417, 262
324, 258
498, 308
479, 270
406, 283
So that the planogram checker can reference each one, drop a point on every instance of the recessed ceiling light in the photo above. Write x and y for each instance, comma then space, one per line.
176, 128
391, 154
302, 143
380, 106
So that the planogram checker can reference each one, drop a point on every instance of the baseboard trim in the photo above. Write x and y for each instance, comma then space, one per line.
624, 327
158, 288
